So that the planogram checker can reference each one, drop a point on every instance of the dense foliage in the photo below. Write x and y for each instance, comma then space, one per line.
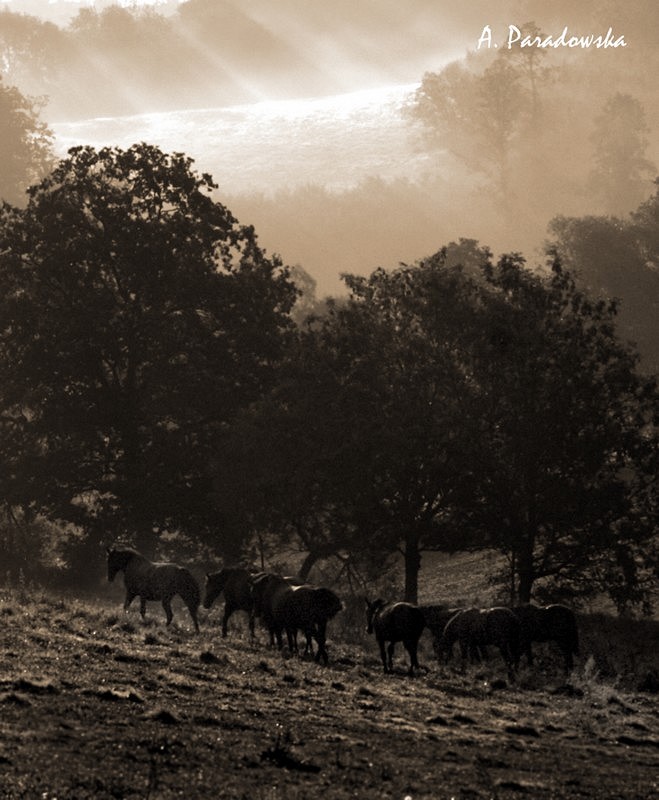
138, 316
459, 403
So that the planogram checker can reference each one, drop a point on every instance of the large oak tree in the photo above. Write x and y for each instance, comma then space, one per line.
466, 403
138, 317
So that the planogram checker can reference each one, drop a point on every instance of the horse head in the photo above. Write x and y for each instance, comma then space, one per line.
215, 582
371, 612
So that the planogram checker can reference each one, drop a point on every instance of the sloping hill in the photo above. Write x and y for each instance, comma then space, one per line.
334, 141
94, 704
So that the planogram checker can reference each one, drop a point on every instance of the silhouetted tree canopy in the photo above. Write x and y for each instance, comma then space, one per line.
466, 403
138, 317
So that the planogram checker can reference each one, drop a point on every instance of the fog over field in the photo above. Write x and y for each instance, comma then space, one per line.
335, 141
307, 116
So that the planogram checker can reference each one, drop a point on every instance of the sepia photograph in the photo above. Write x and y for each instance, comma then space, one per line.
329, 400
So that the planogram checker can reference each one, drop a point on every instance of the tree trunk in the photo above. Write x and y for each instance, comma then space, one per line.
525, 568
307, 566
412, 557
513, 575
313, 556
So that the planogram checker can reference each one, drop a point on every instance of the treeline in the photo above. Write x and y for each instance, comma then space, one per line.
544, 130
384, 223
160, 384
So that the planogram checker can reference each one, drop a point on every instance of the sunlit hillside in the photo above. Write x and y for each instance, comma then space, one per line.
330, 141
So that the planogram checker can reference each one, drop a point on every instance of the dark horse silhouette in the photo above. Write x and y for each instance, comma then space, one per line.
236, 583
154, 581
436, 617
309, 609
475, 628
395, 622
266, 588
553, 623
286, 605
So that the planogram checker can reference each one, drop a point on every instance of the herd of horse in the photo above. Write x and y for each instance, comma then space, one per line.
285, 605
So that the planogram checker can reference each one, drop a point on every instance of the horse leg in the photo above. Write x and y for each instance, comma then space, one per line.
310, 632
411, 647
193, 614
322, 650
529, 654
465, 649
167, 605
383, 654
567, 655
130, 596
228, 611
291, 638
390, 653
143, 607
320, 634
509, 659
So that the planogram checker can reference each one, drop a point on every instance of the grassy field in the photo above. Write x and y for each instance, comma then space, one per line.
95, 703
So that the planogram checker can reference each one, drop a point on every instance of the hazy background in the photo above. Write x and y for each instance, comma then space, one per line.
300, 109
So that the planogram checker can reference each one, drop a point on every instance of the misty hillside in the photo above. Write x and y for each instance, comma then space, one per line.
334, 141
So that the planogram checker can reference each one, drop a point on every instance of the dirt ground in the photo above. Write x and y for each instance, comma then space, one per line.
97, 704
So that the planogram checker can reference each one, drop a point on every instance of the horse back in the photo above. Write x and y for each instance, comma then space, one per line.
502, 627
155, 581
306, 604
555, 622
399, 621
462, 626
437, 617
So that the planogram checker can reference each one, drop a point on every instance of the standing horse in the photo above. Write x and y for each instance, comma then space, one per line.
395, 622
154, 581
476, 628
554, 623
267, 588
307, 608
236, 583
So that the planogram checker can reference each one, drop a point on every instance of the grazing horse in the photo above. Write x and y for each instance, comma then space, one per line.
154, 581
236, 583
395, 622
285, 604
476, 628
554, 623
309, 609
267, 587
436, 617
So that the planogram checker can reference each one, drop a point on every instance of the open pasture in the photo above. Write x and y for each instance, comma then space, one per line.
95, 703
